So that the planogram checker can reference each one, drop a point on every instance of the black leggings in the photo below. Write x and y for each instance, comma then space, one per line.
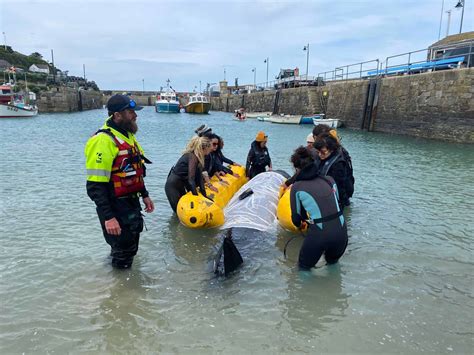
175, 188
124, 246
330, 241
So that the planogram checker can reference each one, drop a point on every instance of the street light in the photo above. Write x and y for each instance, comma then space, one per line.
143, 82
306, 48
267, 61
449, 21
459, 5
254, 71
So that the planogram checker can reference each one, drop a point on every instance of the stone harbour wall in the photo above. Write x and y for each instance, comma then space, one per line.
69, 100
436, 105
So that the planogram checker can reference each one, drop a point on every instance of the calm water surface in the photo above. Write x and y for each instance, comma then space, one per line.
405, 284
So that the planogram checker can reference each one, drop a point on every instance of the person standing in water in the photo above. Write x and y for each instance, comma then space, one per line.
258, 157
115, 165
314, 202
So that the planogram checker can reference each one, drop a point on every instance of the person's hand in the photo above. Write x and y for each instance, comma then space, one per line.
112, 226
283, 188
221, 173
235, 175
236, 164
149, 205
212, 188
303, 226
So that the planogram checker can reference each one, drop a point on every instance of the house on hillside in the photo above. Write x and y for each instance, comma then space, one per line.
4, 65
39, 68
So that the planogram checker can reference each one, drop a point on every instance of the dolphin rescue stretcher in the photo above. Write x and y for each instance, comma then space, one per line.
201, 212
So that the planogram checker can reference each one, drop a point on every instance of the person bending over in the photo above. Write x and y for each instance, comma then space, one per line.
313, 201
186, 174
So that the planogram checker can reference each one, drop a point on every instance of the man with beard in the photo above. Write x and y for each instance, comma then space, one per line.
115, 165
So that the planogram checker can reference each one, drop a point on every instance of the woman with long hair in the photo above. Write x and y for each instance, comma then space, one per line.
186, 174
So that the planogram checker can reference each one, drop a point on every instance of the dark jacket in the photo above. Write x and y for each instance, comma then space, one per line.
337, 167
188, 169
102, 193
258, 159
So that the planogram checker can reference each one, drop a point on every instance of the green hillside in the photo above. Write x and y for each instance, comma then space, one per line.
20, 60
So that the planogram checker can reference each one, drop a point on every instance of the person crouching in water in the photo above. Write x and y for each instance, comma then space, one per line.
314, 202
258, 158
334, 164
186, 174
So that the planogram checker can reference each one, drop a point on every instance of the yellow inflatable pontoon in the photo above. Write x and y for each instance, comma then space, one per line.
284, 211
200, 212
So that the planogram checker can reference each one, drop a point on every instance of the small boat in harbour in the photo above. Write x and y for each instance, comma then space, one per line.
198, 103
166, 101
331, 122
285, 119
309, 119
16, 105
258, 114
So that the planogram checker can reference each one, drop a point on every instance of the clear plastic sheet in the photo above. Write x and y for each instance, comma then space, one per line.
257, 210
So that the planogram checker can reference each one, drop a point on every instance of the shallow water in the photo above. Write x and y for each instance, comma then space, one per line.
404, 285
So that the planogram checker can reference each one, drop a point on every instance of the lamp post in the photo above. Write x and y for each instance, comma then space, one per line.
449, 21
267, 61
143, 86
306, 48
254, 71
460, 4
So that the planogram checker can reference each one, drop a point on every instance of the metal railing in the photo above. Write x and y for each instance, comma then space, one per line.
414, 62
351, 71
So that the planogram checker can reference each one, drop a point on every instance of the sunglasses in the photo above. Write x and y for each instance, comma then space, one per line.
215, 144
132, 104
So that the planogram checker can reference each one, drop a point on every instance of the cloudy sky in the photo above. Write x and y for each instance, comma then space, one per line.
123, 42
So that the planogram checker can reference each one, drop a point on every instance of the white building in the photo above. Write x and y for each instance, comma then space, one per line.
39, 68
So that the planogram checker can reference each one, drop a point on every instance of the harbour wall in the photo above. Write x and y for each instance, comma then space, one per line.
68, 100
436, 105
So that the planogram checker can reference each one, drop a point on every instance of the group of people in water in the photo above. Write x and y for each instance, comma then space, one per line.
321, 186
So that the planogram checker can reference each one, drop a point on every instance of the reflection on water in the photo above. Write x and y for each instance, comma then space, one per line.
404, 284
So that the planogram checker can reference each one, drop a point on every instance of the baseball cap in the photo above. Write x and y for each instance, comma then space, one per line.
119, 103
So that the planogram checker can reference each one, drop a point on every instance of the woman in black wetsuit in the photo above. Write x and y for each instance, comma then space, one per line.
335, 164
314, 202
186, 174
258, 158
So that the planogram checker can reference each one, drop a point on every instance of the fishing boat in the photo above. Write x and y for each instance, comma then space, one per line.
264, 118
16, 105
309, 119
331, 122
166, 101
285, 119
198, 103
258, 114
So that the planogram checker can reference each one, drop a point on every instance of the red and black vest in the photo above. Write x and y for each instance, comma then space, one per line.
128, 168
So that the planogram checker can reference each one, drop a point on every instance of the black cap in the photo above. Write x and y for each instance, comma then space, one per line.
119, 103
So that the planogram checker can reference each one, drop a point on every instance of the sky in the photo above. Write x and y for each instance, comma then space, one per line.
131, 45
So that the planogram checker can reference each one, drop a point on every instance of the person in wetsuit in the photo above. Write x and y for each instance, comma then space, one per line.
220, 159
322, 129
186, 174
334, 164
313, 201
258, 157
115, 171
